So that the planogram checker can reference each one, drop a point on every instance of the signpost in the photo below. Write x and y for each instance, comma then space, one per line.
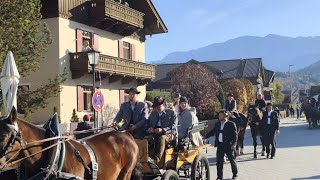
97, 103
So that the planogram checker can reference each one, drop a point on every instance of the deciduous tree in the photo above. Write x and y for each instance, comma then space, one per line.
23, 33
198, 83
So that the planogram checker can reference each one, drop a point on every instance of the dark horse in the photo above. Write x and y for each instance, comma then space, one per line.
241, 129
116, 152
255, 123
312, 115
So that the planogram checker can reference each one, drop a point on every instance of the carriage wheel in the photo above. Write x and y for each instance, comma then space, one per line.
200, 168
170, 175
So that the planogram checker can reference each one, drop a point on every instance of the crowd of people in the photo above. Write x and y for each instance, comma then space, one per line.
169, 122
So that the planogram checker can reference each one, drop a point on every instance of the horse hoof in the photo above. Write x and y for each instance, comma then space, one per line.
241, 153
263, 153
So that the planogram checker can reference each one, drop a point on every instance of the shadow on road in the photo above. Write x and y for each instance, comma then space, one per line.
312, 177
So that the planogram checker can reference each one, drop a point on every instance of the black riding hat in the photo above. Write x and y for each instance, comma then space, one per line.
158, 100
230, 94
135, 90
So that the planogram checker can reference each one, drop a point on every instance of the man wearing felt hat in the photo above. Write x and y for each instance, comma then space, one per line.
163, 125
134, 113
226, 135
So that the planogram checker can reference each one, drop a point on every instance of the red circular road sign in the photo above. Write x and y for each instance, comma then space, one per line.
97, 101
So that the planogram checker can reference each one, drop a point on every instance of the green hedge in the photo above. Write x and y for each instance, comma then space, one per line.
165, 95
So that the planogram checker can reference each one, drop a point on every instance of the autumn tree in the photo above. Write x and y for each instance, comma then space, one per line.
249, 91
23, 33
198, 83
238, 89
278, 96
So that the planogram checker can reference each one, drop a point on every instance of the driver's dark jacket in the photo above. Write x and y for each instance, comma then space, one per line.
81, 127
168, 119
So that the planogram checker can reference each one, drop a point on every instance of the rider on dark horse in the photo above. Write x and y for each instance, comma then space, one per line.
231, 107
260, 102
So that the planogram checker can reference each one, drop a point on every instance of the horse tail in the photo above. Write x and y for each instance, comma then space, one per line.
137, 172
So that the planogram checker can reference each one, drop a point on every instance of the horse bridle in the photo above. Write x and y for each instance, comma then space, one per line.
15, 136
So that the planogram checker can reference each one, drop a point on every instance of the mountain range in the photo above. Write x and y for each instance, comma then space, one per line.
277, 52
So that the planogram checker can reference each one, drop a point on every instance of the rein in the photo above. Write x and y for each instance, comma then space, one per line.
95, 129
27, 145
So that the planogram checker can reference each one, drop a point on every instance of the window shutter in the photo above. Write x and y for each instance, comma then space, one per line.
80, 98
95, 42
120, 46
121, 96
133, 52
79, 40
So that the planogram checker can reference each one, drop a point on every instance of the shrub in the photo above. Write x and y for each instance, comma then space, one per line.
74, 117
165, 95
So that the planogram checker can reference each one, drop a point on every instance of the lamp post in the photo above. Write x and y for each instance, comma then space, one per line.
93, 57
290, 82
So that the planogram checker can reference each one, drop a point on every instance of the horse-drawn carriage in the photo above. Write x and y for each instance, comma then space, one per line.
42, 153
180, 159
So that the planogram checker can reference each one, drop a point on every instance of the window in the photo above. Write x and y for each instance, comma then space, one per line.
127, 50
24, 87
123, 96
86, 41
87, 98
84, 98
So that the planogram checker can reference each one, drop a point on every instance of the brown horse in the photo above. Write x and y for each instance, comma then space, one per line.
116, 152
241, 124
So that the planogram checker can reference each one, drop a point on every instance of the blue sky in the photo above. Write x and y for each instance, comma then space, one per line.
196, 23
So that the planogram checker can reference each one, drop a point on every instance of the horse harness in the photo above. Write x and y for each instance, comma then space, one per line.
56, 154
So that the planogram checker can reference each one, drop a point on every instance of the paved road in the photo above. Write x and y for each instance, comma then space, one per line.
297, 156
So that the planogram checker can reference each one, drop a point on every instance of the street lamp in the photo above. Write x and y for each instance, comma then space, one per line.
290, 82
93, 57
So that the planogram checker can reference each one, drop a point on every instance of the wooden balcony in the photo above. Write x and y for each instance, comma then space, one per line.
112, 67
115, 17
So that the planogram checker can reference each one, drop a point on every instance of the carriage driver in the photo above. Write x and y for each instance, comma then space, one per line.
162, 125
134, 113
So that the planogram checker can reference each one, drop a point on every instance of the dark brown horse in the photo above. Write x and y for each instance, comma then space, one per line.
241, 124
255, 123
116, 152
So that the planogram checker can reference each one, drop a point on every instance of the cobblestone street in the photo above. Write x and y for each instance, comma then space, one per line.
297, 156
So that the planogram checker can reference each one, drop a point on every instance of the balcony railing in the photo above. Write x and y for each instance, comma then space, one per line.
123, 13
112, 66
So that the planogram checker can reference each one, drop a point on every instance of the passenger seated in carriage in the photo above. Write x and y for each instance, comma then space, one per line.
82, 126
188, 118
162, 126
231, 107
134, 113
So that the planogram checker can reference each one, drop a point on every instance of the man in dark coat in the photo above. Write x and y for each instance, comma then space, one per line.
270, 125
261, 103
135, 115
163, 126
82, 126
226, 139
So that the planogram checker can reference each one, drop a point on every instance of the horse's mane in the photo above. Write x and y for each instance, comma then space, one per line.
31, 126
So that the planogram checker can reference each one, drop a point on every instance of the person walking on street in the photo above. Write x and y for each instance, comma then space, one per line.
270, 125
226, 135
291, 112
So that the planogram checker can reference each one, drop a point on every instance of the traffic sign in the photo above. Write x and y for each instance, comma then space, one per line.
97, 101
